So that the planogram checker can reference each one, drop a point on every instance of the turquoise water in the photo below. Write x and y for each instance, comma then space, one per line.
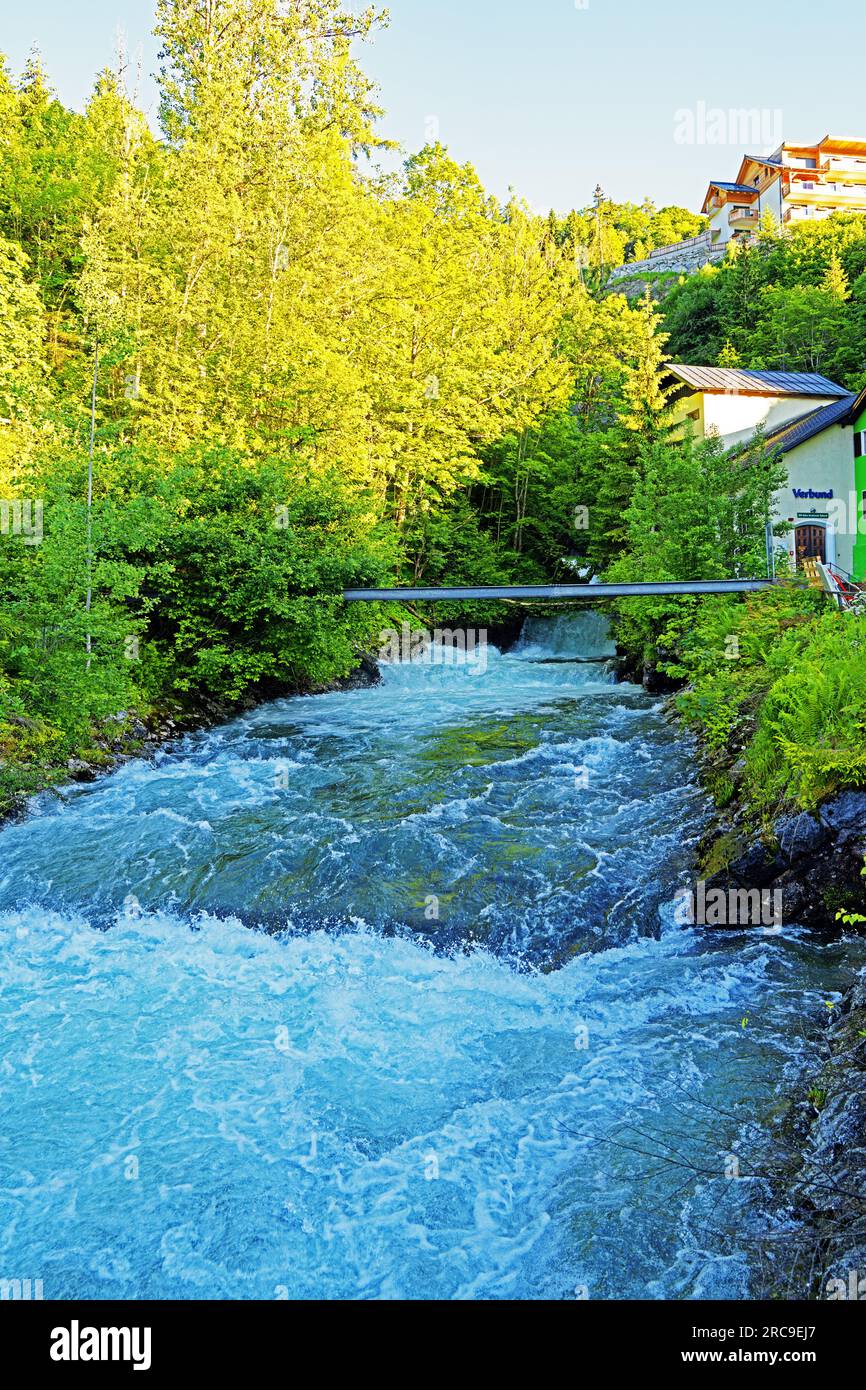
379, 995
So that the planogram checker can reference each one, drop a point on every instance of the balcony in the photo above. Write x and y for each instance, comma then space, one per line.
838, 164
822, 194
744, 217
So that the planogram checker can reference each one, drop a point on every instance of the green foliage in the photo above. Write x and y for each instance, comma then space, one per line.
63, 667
244, 569
854, 919
789, 301
309, 380
811, 736
696, 513
780, 677
617, 233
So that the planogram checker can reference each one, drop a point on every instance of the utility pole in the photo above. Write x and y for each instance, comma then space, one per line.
599, 199
89, 599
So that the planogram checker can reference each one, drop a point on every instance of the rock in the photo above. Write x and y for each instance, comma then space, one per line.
757, 867
856, 997
365, 675
684, 257
794, 896
845, 817
655, 682
800, 836
824, 1172
738, 772
841, 1128
81, 771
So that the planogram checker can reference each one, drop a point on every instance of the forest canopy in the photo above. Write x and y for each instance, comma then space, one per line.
242, 368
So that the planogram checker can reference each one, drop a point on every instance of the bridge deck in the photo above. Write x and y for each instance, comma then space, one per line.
595, 592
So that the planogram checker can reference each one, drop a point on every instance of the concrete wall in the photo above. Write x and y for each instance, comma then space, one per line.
768, 200
736, 418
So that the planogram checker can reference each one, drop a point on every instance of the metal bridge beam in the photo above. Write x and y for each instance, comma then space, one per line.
595, 592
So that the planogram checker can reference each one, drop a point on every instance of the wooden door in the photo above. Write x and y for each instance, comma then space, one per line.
811, 544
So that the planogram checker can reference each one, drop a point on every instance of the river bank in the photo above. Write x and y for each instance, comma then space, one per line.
822, 1183
135, 733
141, 732
772, 689
811, 863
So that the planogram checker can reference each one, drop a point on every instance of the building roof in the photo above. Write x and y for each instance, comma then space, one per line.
770, 162
858, 406
733, 381
798, 431
734, 187
728, 188
848, 146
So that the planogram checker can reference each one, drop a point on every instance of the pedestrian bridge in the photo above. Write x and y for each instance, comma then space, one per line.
546, 592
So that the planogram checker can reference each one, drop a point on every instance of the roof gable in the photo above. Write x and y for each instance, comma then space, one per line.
746, 189
757, 161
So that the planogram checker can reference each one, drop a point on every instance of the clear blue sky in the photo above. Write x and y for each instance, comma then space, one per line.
552, 96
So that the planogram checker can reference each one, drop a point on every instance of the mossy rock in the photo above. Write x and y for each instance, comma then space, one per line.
722, 853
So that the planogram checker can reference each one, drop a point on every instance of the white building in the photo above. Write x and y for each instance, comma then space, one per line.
795, 183
809, 422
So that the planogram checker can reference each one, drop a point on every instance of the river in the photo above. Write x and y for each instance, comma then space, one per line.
380, 994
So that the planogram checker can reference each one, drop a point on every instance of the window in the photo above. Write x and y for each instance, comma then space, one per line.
860, 444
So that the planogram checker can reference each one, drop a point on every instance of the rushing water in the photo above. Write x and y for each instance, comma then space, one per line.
380, 995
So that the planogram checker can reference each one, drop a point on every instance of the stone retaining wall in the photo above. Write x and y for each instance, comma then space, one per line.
685, 258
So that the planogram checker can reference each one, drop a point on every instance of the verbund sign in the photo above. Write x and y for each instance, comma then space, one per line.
810, 495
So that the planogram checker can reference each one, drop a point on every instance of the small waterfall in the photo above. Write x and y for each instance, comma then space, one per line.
581, 635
